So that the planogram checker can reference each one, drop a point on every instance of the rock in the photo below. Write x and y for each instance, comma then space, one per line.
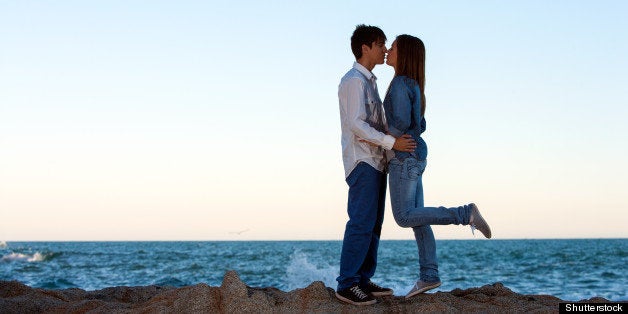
234, 296
199, 298
16, 297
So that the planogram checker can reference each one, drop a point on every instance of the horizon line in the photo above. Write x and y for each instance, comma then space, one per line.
312, 240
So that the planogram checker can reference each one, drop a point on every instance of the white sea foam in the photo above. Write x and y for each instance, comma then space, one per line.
3, 245
301, 272
37, 257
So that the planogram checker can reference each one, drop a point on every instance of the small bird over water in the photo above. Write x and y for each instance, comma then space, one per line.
239, 232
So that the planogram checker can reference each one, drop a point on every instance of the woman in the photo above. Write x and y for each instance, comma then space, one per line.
405, 107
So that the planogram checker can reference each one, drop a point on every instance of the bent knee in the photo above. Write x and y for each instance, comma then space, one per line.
403, 222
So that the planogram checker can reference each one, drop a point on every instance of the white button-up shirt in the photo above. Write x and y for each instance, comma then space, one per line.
362, 117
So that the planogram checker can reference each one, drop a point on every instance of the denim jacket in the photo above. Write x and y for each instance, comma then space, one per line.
403, 114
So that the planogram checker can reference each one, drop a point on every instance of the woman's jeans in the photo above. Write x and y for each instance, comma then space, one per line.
406, 197
367, 197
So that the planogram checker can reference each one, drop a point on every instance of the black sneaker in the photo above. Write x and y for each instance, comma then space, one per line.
375, 290
355, 296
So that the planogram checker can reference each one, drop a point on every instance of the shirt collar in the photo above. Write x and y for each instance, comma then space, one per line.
368, 74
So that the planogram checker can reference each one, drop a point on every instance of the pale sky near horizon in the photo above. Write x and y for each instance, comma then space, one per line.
194, 120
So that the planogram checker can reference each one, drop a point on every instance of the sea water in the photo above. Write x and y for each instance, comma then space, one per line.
569, 269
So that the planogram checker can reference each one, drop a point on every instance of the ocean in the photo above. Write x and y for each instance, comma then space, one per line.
569, 269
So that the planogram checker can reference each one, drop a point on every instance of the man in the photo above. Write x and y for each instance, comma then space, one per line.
362, 121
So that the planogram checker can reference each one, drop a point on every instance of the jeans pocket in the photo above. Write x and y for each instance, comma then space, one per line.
395, 162
413, 168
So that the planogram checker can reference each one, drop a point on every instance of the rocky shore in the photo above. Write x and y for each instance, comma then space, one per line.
234, 296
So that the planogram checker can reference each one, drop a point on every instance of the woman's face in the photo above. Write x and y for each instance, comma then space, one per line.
391, 57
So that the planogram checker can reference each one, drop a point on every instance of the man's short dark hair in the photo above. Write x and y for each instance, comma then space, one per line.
365, 35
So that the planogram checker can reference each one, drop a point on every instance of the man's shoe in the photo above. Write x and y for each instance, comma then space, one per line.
422, 286
477, 222
375, 290
355, 296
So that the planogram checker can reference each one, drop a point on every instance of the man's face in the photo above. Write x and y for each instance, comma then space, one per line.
377, 52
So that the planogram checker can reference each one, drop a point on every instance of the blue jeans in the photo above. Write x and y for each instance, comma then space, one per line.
367, 196
406, 198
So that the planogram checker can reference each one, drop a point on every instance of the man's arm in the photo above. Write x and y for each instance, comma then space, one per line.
352, 100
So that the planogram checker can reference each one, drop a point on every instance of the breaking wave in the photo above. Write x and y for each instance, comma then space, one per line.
20, 257
301, 271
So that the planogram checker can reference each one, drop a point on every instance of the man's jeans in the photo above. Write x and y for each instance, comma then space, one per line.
406, 198
367, 196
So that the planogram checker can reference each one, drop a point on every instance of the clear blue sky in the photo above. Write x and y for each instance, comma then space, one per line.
159, 120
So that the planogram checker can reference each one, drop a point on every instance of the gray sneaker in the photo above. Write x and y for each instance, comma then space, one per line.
477, 222
422, 286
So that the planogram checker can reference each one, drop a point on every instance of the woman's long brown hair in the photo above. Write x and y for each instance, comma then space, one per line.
411, 62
